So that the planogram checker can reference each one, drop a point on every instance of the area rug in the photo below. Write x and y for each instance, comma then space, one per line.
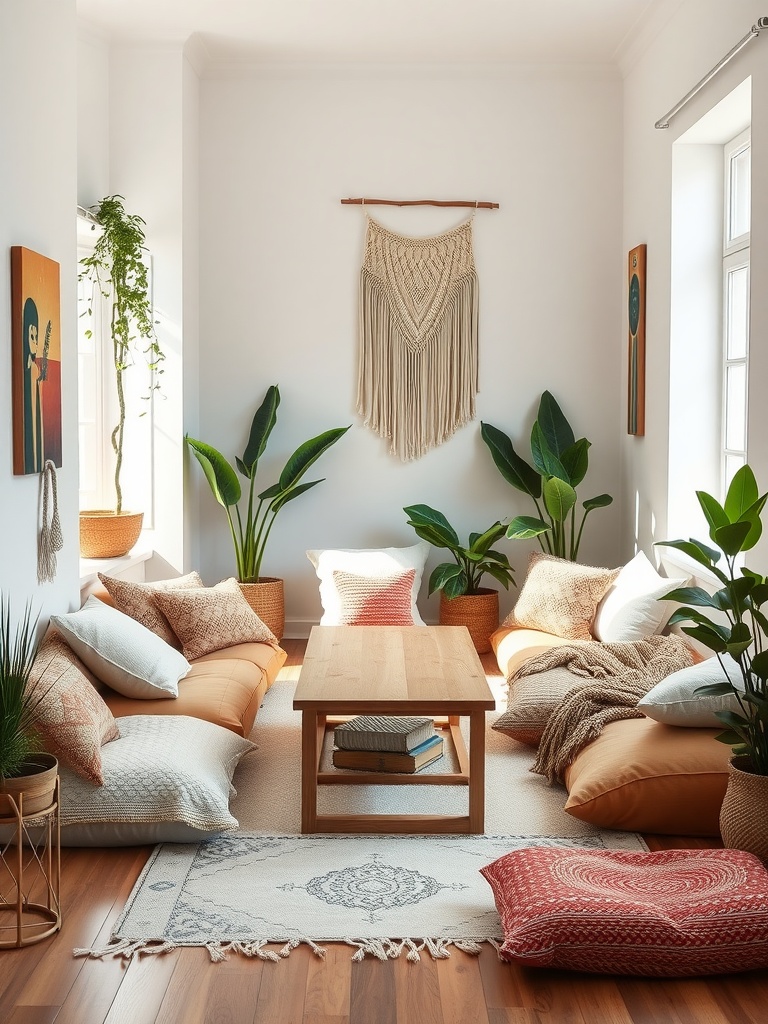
386, 896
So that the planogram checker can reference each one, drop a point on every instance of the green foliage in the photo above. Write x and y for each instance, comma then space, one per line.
250, 528
18, 701
470, 563
117, 268
735, 623
560, 463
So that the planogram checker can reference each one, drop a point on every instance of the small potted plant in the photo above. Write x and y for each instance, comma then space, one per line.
24, 771
117, 270
251, 527
560, 463
463, 602
731, 622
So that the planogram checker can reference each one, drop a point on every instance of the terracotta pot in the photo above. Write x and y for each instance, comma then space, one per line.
478, 612
105, 534
744, 814
33, 791
267, 598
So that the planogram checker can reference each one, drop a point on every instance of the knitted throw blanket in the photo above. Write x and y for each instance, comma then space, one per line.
616, 677
417, 377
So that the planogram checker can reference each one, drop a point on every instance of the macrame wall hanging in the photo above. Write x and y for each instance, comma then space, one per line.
418, 365
50, 539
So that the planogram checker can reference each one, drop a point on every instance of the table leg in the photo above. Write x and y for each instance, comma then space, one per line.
477, 771
309, 759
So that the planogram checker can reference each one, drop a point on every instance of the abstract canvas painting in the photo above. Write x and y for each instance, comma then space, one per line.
36, 360
636, 354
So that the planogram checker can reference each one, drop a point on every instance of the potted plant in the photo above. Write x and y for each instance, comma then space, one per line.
250, 528
117, 270
463, 602
731, 622
560, 463
27, 775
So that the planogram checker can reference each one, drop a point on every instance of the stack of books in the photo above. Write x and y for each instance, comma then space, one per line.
373, 743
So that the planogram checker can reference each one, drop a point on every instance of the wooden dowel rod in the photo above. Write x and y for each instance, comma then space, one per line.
420, 202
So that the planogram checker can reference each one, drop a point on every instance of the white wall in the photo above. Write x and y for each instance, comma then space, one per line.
279, 275
37, 210
696, 37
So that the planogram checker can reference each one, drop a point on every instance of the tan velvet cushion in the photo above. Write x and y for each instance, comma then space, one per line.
648, 777
136, 600
226, 692
72, 719
530, 702
211, 618
560, 597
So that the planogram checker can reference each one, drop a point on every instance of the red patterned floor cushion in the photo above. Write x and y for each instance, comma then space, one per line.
674, 913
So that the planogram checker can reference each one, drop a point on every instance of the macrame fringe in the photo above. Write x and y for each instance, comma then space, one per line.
50, 539
381, 949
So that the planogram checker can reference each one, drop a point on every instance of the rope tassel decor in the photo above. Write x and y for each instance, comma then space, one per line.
418, 337
50, 540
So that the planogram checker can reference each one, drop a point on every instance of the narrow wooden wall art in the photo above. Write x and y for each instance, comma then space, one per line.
636, 353
36, 360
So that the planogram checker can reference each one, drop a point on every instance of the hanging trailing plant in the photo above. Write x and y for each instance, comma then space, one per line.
117, 268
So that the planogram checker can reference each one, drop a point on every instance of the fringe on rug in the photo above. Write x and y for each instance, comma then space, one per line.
382, 949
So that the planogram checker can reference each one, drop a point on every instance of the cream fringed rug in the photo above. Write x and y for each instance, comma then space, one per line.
383, 895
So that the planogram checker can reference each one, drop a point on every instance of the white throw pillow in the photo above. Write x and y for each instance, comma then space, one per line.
674, 702
168, 778
121, 652
631, 608
371, 562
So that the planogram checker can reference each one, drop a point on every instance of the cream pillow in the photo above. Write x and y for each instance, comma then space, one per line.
372, 562
121, 652
135, 599
560, 597
632, 607
674, 701
211, 618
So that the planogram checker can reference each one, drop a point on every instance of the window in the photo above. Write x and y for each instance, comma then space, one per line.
736, 220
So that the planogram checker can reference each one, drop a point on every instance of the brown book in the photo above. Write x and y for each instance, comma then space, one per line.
388, 761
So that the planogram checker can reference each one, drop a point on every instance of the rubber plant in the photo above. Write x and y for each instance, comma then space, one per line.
470, 563
250, 527
732, 621
560, 463
117, 268
18, 700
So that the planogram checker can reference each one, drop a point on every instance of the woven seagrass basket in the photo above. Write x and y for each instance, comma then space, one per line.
744, 814
478, 612
267, 598
108, 534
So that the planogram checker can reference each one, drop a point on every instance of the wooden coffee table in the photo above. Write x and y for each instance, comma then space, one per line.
393, 670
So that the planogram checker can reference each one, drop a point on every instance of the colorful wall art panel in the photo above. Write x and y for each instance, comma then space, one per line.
636, 354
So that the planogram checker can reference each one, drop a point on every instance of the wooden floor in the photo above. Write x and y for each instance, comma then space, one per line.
44, 983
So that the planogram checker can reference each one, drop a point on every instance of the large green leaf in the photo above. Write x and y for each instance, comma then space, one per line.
695, 549
218, 472
503, 576
742, 492
434, 537
526, 527
480, 545
752, 516
707, 636
559, 498
692, 595
264, 420
294, 492
554, 425
575, 461
427, 518
443, 574
599, 501
759, 665
714, 689
515, 470
714, 512
544, 459
730, 538
307, 454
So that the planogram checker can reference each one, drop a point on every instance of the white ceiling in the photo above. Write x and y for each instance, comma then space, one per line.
378, 31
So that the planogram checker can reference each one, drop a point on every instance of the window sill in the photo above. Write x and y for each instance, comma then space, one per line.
89, 567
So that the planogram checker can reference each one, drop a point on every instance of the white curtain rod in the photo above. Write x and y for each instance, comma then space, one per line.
753, 33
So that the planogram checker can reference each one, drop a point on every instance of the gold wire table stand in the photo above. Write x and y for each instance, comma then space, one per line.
30, 872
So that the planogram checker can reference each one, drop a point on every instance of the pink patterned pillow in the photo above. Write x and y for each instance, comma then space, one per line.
668, 914
72, 719
375, 600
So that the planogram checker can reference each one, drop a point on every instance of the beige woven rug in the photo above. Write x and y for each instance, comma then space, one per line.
263, 890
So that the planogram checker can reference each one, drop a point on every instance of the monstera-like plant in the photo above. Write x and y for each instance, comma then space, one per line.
560, 463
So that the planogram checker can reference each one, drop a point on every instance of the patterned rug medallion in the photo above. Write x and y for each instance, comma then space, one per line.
262, 892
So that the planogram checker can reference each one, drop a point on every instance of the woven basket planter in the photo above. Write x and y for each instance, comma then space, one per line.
267, 598
744, 814
105, 534
35, 790
478, 612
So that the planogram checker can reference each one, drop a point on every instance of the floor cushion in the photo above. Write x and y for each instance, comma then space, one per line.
644, 776
514, 645
675, 913
531, 700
